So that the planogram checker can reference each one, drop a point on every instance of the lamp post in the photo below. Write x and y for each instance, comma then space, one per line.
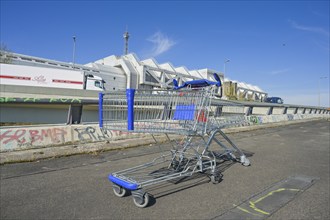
74, 50
224, 66
322, 77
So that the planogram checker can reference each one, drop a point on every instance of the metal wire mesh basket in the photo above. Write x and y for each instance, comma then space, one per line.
157, 111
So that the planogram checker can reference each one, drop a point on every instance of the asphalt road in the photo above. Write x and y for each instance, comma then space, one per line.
77, 187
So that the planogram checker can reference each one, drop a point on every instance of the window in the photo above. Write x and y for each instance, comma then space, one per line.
98, 84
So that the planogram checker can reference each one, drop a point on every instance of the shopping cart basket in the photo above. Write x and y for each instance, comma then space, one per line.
186, 110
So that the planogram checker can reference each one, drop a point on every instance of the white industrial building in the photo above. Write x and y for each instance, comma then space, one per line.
247, 91
128, 71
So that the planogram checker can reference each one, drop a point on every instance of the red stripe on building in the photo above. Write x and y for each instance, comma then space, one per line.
15, 77
67, 81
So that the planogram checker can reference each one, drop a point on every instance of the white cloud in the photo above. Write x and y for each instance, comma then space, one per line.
318, 30
161, 43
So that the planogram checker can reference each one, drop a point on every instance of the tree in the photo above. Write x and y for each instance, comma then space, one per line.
4, 54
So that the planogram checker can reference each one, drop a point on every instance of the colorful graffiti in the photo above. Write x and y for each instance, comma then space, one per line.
39, 100
28, 137
37, 137
255, 120
20, 138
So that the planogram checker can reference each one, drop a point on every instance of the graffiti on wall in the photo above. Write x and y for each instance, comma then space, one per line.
36, 137
91, 134
231, 121
40, 100
255, 120
28, 137
290, 117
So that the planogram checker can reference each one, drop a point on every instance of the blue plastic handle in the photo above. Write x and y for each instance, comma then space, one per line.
120, 182
198, 83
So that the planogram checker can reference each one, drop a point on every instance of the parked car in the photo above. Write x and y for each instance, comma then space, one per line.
277, 100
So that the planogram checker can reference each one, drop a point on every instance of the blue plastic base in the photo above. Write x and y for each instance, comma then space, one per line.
122, 183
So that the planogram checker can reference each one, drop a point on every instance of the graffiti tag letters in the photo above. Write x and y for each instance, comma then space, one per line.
29, 137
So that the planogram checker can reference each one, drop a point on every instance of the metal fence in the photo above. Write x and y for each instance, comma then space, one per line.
74, 110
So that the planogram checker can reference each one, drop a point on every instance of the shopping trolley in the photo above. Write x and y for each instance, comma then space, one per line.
186, 110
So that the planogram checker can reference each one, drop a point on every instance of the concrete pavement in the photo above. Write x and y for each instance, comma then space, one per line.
77, 187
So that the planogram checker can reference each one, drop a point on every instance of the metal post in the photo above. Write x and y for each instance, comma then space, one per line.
101, 95
126, 36
74, 50
130, 109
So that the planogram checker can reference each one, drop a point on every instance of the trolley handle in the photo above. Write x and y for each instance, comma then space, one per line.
198, 83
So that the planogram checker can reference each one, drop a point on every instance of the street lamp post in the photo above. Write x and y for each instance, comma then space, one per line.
74, 50
322, 77
224, 66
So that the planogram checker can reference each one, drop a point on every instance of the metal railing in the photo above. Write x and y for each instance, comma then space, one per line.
76, 107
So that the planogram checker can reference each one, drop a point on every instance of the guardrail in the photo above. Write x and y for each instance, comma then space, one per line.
76, 108
264, 108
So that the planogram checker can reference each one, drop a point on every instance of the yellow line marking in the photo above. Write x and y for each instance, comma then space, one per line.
253, 203
247, 211
253, 206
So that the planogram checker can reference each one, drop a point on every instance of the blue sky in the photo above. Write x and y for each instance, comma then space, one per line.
281, 46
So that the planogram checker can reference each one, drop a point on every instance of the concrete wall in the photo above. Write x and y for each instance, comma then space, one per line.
44, 114
33, 114
29, 137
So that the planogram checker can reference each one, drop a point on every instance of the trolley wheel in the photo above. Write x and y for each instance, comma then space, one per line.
142, 202
174, 164
216, 178
119, 191
244, 161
